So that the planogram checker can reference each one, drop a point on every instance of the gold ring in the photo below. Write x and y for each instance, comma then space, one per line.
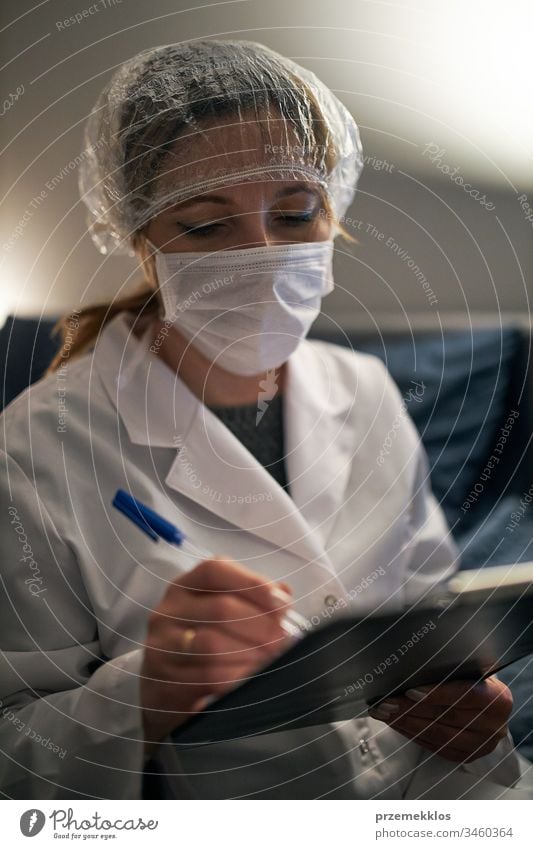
188, 636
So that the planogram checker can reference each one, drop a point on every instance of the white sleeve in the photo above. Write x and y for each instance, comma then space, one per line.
433, 558
70, 719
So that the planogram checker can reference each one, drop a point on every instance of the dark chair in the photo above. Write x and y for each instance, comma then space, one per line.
26, 349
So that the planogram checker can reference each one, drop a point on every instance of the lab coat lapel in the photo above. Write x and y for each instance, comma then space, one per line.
217, 471
320, 436
214, 469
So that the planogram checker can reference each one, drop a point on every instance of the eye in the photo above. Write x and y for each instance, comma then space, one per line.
199, 229
302, 218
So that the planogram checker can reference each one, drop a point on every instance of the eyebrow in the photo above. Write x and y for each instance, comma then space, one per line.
214, 198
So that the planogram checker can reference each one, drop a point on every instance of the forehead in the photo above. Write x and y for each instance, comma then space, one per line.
248, 195
234, 150
243, 138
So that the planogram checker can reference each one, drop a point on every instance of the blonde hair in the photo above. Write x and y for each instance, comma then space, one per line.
144, 301
76, 340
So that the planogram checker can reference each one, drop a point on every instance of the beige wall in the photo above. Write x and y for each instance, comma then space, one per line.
388, 65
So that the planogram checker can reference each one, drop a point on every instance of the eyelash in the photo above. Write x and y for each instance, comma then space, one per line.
207, 229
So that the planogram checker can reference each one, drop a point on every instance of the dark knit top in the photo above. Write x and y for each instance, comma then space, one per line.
261, 432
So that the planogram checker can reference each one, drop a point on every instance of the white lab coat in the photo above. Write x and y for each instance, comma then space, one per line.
80, 580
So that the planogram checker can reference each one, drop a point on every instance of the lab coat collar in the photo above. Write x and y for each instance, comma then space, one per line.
211, 465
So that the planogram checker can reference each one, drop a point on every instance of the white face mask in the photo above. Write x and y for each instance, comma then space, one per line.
246, 310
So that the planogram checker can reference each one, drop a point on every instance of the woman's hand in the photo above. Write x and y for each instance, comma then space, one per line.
460, 720
235, 614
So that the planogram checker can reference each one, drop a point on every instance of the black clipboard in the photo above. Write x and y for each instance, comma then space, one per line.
478, 623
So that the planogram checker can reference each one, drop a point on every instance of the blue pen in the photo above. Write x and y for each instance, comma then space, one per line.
156, 527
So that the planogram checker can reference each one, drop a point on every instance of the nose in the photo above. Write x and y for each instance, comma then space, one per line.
254, 230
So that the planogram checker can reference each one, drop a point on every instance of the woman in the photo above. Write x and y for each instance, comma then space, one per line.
226, 168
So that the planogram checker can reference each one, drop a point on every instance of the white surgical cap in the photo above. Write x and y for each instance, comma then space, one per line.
183, 91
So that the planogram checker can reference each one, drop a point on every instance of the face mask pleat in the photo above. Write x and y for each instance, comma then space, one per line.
249, 312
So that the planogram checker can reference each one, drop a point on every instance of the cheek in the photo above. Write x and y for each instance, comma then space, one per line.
323, 229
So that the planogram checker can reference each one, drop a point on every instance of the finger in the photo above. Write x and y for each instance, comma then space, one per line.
464, 740
194, 680
454, 716
229, 613
221, 574
466, 694
449, 751
215, 644
285, 586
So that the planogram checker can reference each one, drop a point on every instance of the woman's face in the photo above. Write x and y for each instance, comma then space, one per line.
241, 215
249, 215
